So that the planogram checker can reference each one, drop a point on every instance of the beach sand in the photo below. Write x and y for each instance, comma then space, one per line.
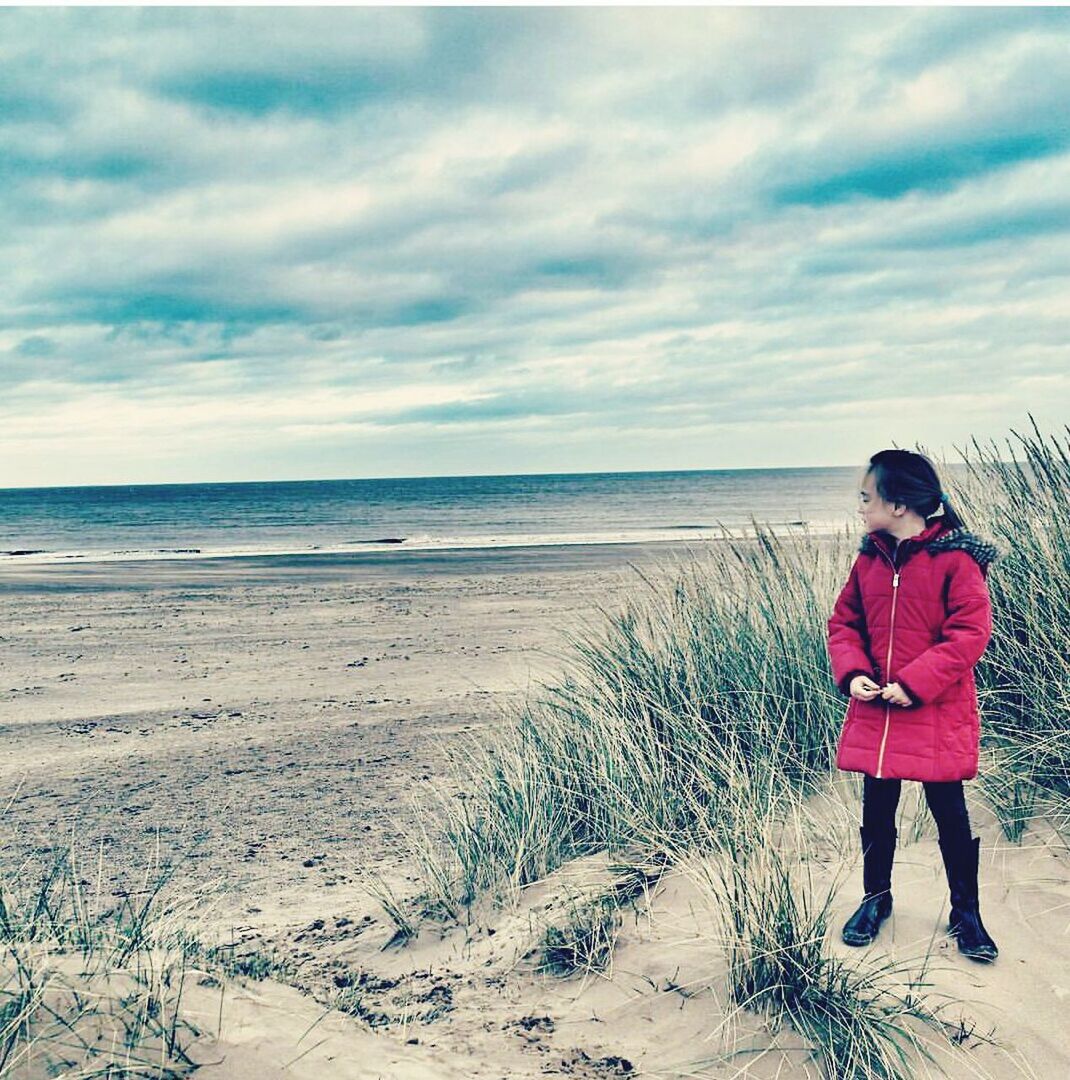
257, 714
263, 725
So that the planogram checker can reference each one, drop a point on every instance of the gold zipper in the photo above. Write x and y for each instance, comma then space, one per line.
888, 668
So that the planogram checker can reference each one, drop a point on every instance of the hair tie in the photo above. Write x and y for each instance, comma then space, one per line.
938, 510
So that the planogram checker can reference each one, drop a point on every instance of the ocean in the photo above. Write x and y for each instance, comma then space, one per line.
184, 521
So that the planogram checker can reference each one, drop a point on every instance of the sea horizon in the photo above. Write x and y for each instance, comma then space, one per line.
289, 517
415, 476
226, 519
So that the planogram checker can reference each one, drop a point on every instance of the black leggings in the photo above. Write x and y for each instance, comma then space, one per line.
946, 801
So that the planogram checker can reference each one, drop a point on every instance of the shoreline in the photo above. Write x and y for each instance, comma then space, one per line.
392, 547
85, 573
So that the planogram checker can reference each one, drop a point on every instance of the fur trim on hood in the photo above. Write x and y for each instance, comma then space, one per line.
983, 552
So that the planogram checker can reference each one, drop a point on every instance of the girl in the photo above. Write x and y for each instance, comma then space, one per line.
903, 638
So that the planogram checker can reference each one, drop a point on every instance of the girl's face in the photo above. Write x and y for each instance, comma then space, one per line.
874, 511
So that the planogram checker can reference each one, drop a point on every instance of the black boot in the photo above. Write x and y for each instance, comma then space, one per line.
965, 922
878, 851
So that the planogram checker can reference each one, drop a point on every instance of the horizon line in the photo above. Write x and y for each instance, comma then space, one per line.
435, 476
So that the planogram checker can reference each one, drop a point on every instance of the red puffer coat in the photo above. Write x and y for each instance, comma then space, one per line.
921, 617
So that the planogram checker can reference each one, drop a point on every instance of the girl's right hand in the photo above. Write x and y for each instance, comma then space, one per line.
864, 688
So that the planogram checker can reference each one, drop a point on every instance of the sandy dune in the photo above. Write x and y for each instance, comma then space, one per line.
265, 724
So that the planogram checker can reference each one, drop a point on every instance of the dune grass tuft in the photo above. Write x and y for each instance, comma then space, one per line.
864, 1019
1024, 677
715, 672
88, 987
681, 721
664, 708
583, 941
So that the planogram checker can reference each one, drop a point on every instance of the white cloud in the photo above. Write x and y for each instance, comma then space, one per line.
405, 225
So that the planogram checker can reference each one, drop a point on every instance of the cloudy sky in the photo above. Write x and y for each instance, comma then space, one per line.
287, 243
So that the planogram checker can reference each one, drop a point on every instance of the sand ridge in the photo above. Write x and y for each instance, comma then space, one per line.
266, 726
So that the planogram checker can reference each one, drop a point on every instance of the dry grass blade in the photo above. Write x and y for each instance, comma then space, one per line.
86, 990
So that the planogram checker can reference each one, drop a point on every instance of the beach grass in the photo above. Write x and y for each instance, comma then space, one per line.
1024, 676
681, 719
712, 676
581, 938
715, 674
699, 688
91, 986
583, 941
93, 976
863, 1019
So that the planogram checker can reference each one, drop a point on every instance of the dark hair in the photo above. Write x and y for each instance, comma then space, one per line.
910, 480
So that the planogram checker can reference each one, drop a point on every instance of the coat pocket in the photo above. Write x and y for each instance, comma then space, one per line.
957, 691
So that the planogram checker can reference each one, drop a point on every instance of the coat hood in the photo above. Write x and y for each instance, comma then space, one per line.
983, 552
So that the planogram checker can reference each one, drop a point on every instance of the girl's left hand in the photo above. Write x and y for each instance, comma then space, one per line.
894, 693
